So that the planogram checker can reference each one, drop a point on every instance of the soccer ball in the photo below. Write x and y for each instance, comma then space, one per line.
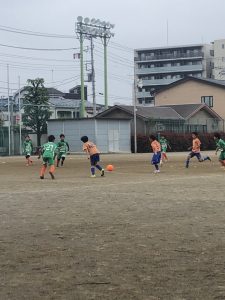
110, 168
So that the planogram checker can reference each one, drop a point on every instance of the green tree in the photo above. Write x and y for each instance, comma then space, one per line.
36, 107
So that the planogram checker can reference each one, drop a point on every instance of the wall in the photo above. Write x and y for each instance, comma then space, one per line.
109, 135
191, 92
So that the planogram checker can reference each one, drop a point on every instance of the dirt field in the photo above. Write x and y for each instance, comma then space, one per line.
130, 235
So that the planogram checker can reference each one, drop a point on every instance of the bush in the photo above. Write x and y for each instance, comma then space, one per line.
178, 141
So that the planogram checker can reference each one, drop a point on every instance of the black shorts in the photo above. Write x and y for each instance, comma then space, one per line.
94, 159
197, 155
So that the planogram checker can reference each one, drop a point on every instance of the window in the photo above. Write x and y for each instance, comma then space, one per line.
208, 100
223, 46
64, 114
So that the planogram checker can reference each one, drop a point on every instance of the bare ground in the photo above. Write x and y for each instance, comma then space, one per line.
130, 235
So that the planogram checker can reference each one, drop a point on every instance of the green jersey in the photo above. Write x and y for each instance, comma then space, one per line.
220, 144
27, 147
63, 147
48, 150
164, 144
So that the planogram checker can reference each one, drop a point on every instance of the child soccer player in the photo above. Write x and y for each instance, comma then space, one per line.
62, 148
195, 150
220, 146
156, 147
92, 150
48, 154
164, 144
28, 149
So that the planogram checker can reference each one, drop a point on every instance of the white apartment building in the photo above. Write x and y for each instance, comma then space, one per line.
218, 47
157, 67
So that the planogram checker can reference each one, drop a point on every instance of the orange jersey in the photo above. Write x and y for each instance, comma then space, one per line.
90, 148
196, 145
156, 147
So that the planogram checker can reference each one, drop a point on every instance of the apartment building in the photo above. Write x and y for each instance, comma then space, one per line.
158, 67
218, 47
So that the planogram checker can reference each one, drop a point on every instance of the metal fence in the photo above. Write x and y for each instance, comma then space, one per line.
199, 125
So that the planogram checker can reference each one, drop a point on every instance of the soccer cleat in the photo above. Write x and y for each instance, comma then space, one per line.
102, 172
52, 176
209, 158
156, 171
93, 176
41, 177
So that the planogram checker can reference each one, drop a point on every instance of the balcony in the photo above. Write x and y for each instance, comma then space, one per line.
144, 95
169, 69
170, 56
159, 81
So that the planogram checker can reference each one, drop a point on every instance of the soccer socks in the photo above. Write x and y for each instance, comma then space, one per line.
187, 163
58, 160
207, 158
157, 167
92, 170
98, 167
52, 169
43, 169
62, 161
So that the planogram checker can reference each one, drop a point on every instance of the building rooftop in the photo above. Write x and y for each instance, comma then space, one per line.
170, 47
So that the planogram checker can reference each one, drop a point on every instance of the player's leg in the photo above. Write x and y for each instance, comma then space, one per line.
58, 159
52, 168
97, 165
43, 169
156, 158
93, 163
222, 158
63, 159
27, 159
190, 155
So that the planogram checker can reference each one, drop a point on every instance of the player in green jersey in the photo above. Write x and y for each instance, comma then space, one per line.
220, 146
28, 149
48, 152
164, 145
62, 149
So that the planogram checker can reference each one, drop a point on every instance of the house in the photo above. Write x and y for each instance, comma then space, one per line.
192, 90
171, 118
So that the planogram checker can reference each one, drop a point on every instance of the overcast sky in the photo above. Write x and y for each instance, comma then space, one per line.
138, 23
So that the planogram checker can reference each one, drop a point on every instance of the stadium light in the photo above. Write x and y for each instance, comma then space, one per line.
89, 29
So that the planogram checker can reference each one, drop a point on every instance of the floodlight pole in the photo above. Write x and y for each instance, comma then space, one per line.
93, 76
82, 108
9, 114
105, 72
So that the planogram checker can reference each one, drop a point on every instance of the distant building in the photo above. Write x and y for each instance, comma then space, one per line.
219, 59
170, 118
191, 90
158, 67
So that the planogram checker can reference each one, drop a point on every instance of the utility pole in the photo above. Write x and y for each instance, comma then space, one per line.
93, 77
105, 72
82, 108
20, 116
9, 119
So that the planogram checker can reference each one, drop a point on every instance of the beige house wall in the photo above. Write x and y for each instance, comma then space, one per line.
191, 92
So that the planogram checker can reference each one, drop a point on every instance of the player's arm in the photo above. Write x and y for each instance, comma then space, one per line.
68, 146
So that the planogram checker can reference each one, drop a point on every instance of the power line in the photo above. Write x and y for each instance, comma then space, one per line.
37, 49
34, 33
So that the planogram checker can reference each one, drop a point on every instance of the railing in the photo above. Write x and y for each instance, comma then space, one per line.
169, 56
169, 69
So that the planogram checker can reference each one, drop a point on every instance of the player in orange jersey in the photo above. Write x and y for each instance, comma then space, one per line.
156, 148
91, 149
195, 150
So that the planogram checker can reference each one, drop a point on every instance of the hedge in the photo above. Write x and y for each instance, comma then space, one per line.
178, 141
